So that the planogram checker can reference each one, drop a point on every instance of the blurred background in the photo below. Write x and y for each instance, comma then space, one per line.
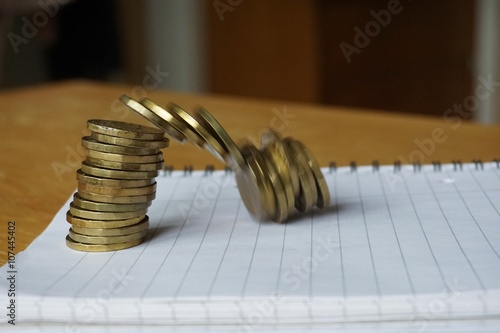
425, 57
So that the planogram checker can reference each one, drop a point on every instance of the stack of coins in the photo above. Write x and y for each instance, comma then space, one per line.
274, 181
116, 185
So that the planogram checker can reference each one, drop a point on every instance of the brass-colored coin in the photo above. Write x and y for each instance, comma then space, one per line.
103, 240
101, 248
116, 174
234, 156
117, 199
104, 216
108, 182
124, 165
115, 140
107, 207
280, 197
141, 226
124, 130
124, 158
114, 191
166, 122
90, 143
322, 188
254, 185
103, 224
308, 193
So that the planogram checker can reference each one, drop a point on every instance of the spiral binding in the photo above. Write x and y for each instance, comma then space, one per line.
332, 167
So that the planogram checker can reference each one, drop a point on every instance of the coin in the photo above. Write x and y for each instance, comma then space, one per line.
143, 225
93, 215
323, 192
124, 130
234, 157
103, 224
116, 174
107, 207
124, 158
92, 144
120, 192
254, 185
169, 124
117, 199
124, 165
105, 239
115, 140
108, 182
101, 248
280, 198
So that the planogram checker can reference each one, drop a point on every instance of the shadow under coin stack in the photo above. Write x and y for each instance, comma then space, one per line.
116, 185
273, 181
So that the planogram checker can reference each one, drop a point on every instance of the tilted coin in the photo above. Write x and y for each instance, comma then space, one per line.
280, 197
103, 240
103, 224
82, 177
93, 215
117, 199
116, 174
90, 143
115, 140
121, 192
124, 165
124, 130
107, 207
124, 158
169, 124
101, 248
141, 226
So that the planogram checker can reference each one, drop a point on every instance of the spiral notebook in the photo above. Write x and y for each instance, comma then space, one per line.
403, 245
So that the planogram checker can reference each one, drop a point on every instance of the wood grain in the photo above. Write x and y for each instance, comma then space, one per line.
41, 127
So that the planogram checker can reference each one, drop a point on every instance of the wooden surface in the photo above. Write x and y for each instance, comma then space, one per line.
41, 127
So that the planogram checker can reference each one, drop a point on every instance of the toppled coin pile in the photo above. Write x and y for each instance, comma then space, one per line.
273, 181
116, 185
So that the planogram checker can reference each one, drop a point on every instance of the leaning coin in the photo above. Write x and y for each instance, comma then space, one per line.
124, 158
107, 207
121, 192
323, 192
116, 199
124, 130
280, 196
101, 248
124, 165
93, 215
169, 124
116, 174
90, 143
115, 140
106, 239
141, 226
106, 224
108, 182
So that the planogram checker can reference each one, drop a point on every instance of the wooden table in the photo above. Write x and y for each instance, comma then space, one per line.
41, 127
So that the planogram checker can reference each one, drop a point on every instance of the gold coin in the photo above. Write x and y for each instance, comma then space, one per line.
90, 143
117, 199
308, 195
169, 124
254, 185
103, 240
124, 130
120, 192
124, 165
141, 226
280, 197
103, 224
117, 174
115, 140
101, 248
322, 188
124, 158
107, 207
233, 157
105, 216
108, 182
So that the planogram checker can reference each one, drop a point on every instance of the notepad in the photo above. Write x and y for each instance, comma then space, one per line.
399, 244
